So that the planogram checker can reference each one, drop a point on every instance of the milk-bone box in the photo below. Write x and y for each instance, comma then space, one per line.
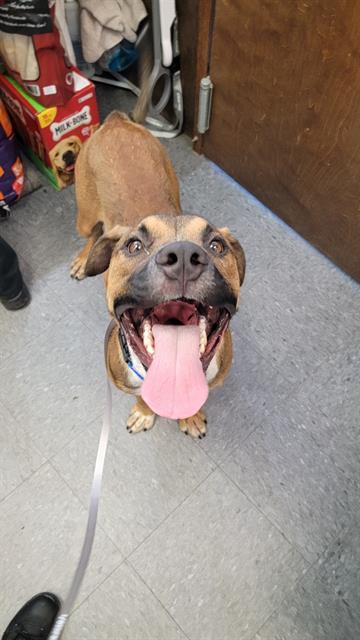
53, 136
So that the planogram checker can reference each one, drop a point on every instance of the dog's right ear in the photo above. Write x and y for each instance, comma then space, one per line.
100, 255
238, 252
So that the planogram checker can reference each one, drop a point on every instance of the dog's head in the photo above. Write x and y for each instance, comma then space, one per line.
63, 156
170, 270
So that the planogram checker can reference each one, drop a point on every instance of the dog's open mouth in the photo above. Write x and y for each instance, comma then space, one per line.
212, 322
175, 340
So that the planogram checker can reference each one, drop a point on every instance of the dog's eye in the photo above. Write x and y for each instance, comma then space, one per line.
134, 246
217, 246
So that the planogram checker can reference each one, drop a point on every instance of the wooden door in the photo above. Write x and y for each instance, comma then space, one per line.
286, 113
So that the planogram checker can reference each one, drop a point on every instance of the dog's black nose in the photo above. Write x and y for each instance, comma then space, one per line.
68, 157
184, 261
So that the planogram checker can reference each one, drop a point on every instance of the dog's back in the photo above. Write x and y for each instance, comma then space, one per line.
123, 174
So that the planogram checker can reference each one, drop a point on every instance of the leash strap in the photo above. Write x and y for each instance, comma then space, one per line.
126, 352
83, 562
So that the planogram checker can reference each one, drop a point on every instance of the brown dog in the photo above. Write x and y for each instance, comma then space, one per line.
172, 281
63, 157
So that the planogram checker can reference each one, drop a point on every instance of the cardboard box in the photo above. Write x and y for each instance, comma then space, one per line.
53, 135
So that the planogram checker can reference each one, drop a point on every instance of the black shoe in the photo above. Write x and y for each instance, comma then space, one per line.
35, 619
19, 301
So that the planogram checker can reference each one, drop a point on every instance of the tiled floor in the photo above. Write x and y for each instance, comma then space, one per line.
252, 533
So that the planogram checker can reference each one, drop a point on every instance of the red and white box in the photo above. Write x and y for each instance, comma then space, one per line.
53, 136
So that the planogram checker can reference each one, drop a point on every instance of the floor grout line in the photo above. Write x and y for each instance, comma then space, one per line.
97, 418
302, 578
241, 442
4, 361
80, 604
86, 507
157, 599
129, 555
43, 464
127, 558
293, 545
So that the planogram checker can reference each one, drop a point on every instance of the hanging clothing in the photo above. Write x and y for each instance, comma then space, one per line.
105, 24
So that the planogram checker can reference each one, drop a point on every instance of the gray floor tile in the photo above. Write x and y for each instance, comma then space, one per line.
39, 222
57, 256
122, 607
18, 457
299, 470
41, 532
41, 228
213, 195
294, 328
55, 386
339, 568
311, 613
47, 263
217, 564
86, 298
253, 389
325, 605
334, 388
21, 328
9, 231
147, 475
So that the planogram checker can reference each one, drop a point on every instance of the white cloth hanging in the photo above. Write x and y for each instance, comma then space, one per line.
105, 24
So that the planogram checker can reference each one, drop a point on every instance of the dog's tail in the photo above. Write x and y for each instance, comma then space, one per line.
145, 65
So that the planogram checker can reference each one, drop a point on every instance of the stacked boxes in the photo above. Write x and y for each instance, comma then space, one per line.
53, 136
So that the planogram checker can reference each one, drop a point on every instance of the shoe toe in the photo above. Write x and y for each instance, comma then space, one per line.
35, 618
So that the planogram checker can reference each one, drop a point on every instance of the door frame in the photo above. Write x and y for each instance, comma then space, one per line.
196, 19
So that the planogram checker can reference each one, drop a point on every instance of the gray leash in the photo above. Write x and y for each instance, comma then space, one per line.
83, 562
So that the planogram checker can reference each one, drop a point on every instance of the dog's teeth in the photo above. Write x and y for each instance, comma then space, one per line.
203, 336
148, 338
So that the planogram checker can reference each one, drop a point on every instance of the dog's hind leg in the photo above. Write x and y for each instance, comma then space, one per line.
77, 269
141, 417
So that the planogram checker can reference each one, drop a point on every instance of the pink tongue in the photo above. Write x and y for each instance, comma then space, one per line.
175, 385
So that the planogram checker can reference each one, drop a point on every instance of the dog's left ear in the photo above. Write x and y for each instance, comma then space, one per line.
100, 255
237, 250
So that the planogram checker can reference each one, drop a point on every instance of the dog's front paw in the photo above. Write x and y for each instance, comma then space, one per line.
194, 426
77, 269
140, 421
